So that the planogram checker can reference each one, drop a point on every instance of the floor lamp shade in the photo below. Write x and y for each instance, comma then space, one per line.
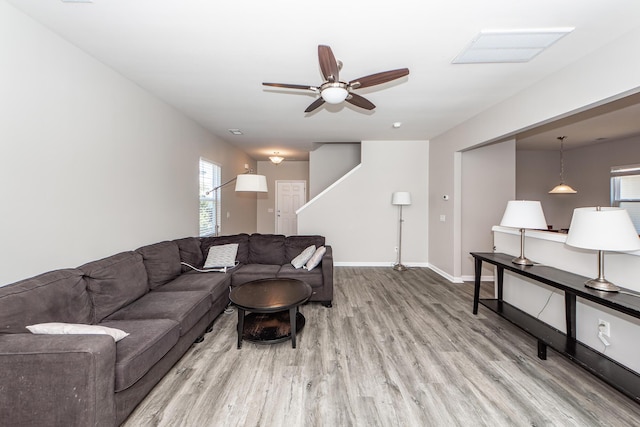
251, 182
401, 198
523, 214
602, 229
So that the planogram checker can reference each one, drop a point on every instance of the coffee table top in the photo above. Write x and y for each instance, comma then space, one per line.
270, 295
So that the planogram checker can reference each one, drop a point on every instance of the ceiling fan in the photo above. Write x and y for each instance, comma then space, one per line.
334, 91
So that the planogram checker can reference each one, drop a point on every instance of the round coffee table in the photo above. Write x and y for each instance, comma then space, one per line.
273, 306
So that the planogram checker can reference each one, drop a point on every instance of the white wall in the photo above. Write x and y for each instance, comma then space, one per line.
328, 162
603, 75
90, 164
356, 215
485, 171
295, 170
587, 169
531, 296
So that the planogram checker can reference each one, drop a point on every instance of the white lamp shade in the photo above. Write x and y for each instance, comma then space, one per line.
401, 198
524, 214
607, 229
250, 182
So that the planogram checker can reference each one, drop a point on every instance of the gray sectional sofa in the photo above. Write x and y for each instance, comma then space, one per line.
164, 306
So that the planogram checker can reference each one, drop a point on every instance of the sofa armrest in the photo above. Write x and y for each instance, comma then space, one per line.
327, 273
49, 380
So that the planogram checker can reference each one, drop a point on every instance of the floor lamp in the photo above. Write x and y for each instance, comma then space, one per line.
400, 198
248, 181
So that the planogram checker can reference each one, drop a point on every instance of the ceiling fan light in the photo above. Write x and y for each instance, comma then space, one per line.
334, 94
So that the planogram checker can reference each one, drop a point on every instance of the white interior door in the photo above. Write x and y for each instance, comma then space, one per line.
290, 196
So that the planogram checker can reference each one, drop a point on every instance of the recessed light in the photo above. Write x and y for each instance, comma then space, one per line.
235, 131
396, 125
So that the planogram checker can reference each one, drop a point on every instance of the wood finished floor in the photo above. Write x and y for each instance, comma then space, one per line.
396, 349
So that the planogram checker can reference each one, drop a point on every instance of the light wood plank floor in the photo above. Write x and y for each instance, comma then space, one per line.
396, 349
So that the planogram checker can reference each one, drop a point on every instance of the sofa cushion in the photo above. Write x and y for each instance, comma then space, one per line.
114, 282
56, 296
185, 307
301, 260
313, 278
147, 343
267, 249
190, 252
293, 245
241, 239
216, 284
162, 262
249, 272
221, 256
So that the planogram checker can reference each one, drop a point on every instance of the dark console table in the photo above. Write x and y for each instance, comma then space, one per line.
618, 376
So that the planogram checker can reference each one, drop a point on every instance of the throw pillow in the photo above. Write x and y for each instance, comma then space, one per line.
304, 256
76, 329
315, 258
222, 256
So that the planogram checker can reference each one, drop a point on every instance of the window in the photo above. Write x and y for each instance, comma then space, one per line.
625, 191
209, 200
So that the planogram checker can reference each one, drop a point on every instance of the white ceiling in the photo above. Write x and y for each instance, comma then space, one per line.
208, 59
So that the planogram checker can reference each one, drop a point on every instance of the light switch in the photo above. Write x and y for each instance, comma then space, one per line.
443, 218
270, 210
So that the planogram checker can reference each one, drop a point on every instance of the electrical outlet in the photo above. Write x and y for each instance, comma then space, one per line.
604, 327
395, 249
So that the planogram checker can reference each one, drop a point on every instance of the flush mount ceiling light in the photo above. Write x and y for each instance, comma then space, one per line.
498, 46
276, 159
235, 131
562, 188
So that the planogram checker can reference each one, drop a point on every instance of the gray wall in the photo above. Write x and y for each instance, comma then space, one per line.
594, 79
329, 162
587, 170
356, 215
90, 164
487, 185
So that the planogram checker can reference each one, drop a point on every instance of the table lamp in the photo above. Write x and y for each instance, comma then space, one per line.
602, 229
523, 214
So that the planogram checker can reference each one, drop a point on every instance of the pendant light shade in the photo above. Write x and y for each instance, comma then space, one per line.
562, 188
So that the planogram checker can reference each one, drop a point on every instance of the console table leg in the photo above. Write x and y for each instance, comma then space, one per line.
476, 288
240, 326
542, 350
292, 321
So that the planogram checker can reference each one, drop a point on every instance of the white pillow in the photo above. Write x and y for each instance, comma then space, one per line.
315, 258
76, 329
222, 256
304, 256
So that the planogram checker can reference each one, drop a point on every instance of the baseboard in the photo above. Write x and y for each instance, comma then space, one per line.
379, 264
446, 275
482, 278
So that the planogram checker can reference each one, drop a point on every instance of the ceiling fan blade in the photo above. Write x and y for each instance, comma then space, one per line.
378, 78
315, 104
288, 86
359, 101
328, 63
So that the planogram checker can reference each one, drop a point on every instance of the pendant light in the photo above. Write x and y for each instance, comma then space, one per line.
562, 188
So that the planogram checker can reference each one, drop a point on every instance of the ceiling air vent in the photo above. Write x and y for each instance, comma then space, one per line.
498, 46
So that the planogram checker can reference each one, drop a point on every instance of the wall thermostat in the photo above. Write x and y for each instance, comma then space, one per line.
445, 197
